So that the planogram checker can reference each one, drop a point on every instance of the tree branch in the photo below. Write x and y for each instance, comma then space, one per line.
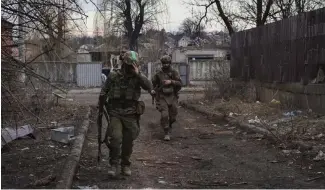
267, 11
224, 17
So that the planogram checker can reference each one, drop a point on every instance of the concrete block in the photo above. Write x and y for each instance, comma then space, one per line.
62, 134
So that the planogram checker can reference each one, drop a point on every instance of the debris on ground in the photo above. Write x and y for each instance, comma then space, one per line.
240, 183
292, 113
231, 114
62, 134
290, 125
44, 157
196, 158
275, 161
10, 134
88, 187
206, 184
320, 156
274, 101
291, 151
44, 181
256, 120
166, 162
320, 135
315, 178
162, 182
281, 120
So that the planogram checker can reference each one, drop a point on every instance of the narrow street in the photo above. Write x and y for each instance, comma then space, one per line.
201, 154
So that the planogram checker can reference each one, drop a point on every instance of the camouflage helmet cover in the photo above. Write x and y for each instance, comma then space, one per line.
166, 59
130, 57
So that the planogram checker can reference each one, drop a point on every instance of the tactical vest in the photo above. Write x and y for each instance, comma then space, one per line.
169, 89
124, 88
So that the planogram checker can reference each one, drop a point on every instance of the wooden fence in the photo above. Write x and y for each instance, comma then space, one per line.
285, 51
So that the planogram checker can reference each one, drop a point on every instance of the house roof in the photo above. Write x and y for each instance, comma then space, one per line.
85, 48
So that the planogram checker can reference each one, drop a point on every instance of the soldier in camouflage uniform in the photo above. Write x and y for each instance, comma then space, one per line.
123, 89
166, 83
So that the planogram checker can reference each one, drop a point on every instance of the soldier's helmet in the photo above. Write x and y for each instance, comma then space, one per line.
166, 59
130, 57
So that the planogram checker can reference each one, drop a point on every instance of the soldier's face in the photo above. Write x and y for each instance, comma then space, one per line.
165, 65
128, 68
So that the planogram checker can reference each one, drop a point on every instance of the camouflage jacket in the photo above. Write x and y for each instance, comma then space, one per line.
171, 89
123, 92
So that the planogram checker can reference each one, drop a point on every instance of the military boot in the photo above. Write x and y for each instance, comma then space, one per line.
167, 133
167, 137
126, 170
113, 171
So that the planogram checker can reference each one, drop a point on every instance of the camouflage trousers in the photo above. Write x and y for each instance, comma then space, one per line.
168, 113
123, 132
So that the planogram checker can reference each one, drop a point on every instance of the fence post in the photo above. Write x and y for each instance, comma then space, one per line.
149, 70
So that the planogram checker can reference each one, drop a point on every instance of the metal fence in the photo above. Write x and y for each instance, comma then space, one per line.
83, 74
283, 51
57, 72
89, 74
205, 70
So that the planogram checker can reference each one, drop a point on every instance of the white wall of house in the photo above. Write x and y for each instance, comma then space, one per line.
178, 56
83, 57
183, 42
215, 53
181, 56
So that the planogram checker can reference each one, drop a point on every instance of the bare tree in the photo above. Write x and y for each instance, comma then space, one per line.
190, 27
302, 6
44, 19
250, 13
287, 8
130, 16
228, 12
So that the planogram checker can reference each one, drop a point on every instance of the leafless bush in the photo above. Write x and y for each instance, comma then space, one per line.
24, 93
222, 85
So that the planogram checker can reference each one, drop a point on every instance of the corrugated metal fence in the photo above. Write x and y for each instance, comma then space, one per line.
89, 74
64, 72
205, 70
284, 51
86, 74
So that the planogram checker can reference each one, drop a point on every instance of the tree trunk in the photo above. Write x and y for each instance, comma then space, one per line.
259, 5
225, 19
133, 44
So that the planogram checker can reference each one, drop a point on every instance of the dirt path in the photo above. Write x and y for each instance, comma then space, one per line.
201, 154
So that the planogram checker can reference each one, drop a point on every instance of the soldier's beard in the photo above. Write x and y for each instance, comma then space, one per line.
128, 69
166, 66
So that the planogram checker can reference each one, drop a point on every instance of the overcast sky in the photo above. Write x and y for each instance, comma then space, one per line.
177, 12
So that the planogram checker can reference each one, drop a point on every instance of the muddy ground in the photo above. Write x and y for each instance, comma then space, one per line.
26, 161
201, 154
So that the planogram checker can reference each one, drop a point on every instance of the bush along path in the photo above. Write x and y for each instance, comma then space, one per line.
203, 153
